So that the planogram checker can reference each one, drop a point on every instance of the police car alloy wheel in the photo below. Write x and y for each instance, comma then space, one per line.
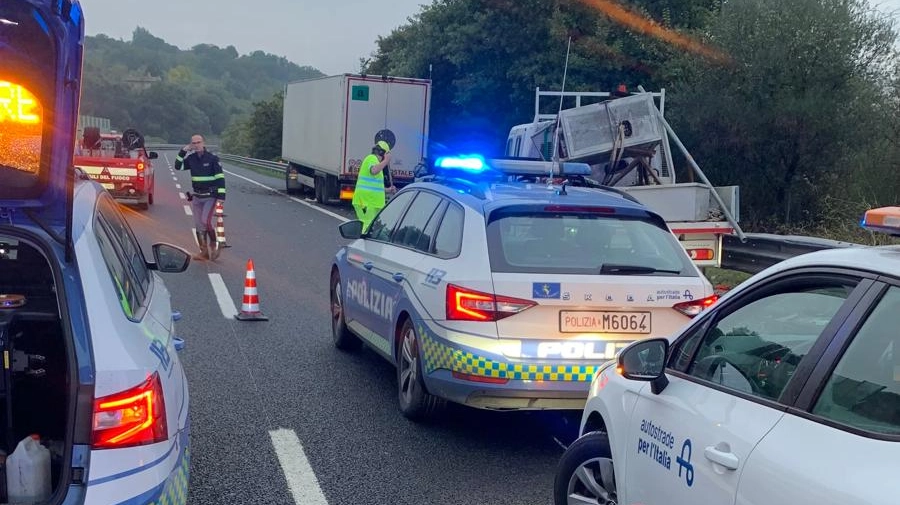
415, 401
585, 473
343, 339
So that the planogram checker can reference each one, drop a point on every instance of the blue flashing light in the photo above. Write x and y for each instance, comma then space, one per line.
470, 163
75, 14
41, 22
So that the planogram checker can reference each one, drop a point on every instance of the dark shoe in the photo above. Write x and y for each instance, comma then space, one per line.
204, 253
214, 250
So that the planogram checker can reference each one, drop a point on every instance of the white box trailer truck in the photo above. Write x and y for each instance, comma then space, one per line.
332, 123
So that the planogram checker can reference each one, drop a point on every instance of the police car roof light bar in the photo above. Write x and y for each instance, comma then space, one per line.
539, 168
473, 163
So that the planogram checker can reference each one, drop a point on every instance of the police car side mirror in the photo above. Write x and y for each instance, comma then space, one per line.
153, 155
645, 360
169, 258
351, 230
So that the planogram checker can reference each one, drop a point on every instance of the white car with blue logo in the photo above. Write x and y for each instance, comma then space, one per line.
786, 391
498, 293
86, 327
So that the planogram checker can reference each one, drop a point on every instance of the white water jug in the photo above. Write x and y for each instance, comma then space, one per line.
28, 472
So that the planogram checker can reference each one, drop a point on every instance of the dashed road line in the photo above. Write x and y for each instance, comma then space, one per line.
226, 304
302, 202
299, 474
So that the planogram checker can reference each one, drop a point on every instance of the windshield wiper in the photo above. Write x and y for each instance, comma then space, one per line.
612, 268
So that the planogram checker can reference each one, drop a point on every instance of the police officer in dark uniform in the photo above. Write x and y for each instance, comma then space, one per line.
208, 182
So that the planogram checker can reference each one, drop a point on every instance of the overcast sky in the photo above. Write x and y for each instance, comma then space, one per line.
330, 35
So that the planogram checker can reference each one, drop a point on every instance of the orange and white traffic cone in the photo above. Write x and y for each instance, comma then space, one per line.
220, 225
250, 305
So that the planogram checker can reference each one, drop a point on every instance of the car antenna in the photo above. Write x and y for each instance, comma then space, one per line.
562, 96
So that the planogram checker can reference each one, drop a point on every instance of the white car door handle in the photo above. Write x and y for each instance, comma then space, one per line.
726, 459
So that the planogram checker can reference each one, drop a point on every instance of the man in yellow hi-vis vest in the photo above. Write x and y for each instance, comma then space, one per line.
368, 197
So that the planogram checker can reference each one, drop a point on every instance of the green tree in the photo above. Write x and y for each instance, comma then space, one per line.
203, 90
265, 128
487, 57
795, 106
236, 137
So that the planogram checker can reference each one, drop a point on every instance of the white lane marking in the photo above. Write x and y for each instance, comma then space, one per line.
174, 178
182, 196
178, 186
311, 206
197, 243
188, 211
226, 304
299, 474
166, 157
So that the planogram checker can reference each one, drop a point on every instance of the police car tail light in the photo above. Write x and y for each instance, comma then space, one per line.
469, 305
695, 307
133, 417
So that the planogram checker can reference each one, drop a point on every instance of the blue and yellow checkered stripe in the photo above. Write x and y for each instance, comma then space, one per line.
175, 491
440, 356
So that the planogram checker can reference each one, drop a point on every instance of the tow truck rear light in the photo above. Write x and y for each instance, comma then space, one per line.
133, 417
695, 307
469, 305
347, 192
140, 174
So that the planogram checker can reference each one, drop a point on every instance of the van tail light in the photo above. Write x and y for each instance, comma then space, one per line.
133, 417
469, 305
695, 307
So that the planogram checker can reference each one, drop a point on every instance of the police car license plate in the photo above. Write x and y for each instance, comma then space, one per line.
583, 321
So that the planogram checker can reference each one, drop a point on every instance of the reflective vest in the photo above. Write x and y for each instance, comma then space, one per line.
369, 187
207, 176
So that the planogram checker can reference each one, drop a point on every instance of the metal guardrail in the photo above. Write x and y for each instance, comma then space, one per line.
762, 250
275, 166
173, 146
253, 162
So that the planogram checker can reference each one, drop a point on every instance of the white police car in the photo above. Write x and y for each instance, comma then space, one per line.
786, 391
86, 326
507, 295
